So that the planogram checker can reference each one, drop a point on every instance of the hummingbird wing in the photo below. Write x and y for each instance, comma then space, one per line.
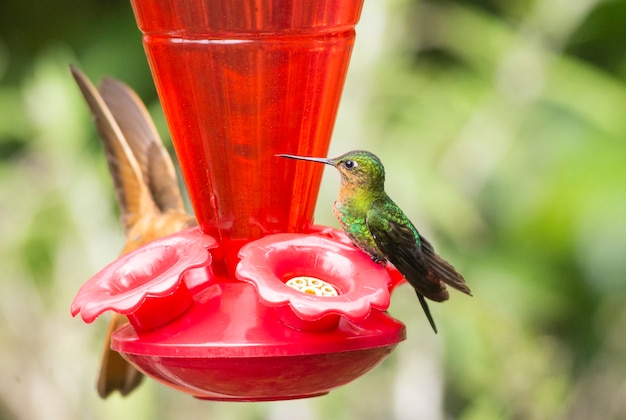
143, 139
398, 240
133, 195
441, 269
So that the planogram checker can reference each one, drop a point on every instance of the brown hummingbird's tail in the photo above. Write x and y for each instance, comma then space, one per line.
115, 372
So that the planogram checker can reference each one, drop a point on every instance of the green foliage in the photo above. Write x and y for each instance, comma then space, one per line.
526, 124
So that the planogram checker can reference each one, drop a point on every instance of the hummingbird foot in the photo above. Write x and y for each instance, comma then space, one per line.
379, 260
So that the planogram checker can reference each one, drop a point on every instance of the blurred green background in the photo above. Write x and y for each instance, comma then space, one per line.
502, 127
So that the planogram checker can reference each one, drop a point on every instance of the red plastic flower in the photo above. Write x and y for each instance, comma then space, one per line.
272, 261
150, 277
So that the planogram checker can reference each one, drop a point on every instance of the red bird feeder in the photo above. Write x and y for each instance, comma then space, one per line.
257, 303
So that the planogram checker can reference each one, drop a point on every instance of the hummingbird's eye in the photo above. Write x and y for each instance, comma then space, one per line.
349, 164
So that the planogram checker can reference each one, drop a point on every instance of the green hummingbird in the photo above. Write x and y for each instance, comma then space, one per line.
376, 225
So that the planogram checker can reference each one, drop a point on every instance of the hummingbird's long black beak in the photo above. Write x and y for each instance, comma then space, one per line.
311, 159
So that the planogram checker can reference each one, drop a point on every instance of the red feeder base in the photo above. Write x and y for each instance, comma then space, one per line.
229, 347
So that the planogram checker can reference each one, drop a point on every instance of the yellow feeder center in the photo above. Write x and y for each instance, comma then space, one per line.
312, 286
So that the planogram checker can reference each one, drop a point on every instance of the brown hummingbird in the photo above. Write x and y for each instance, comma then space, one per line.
146, 189
379, 227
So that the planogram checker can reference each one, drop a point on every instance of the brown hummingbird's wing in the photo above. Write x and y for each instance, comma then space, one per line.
154, 161
132, 192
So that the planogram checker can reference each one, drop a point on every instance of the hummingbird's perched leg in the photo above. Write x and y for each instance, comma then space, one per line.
379, 260
146, 190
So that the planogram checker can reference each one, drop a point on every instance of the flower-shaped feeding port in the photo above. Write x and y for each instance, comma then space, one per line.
144, 282
298, 275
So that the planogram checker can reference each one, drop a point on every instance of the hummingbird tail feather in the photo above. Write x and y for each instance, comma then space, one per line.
427, 311
116, 374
